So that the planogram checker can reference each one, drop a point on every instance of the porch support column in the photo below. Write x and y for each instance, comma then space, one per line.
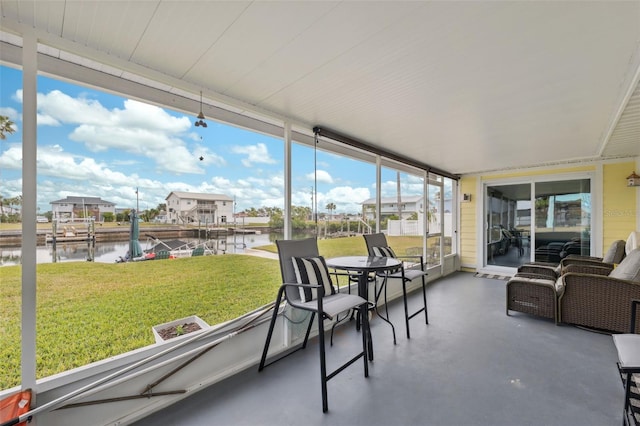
378, 191
29, 195
287, 181
425, 214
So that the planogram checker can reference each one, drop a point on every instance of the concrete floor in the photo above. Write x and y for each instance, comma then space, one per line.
472, 365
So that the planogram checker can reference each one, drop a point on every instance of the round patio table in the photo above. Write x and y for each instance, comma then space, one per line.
364, 265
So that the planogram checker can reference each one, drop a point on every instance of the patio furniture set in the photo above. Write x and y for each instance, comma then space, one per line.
581, 290
307, 285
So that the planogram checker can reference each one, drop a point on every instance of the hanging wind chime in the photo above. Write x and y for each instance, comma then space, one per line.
201, 122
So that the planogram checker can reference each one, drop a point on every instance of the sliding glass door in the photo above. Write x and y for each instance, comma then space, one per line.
542, 221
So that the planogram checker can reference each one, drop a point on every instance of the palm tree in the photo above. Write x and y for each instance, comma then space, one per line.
331, 207
6, 127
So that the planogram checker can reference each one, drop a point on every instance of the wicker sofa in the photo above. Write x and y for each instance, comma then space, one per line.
599, 301
586, 299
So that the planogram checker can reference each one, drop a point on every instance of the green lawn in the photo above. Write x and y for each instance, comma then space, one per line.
353, 246
90, 311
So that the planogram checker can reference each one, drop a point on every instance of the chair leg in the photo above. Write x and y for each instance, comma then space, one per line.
406, 307
274, 317
366, 334
424, 299
323, 364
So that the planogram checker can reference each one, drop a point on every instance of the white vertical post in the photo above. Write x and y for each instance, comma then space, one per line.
287, 181
29, 195
441, 219
637, 198
425, 215
378, 191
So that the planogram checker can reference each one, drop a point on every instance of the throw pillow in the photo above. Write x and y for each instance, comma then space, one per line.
312, 270
383, 251
628, 269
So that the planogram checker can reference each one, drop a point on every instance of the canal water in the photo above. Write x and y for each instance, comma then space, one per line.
109, 252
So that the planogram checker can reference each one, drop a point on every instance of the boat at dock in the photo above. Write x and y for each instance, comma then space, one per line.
174, 249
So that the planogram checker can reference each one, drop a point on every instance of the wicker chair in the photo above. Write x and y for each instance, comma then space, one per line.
533, 289
598, 301
534, 295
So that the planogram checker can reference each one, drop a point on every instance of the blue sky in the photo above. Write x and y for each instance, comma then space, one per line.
92, 143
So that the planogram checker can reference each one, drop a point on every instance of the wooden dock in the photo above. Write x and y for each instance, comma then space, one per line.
71, 232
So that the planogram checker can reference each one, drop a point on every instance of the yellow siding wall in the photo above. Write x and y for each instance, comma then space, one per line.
468, 244
588, 168
619, 203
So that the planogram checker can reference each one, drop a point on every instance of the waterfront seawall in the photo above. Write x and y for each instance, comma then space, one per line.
13, 238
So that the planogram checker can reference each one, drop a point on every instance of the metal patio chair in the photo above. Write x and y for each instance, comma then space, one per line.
377, 246
307, 285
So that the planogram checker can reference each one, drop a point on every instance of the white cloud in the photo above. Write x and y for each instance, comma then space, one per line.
256, 154
347, 199
63, 174
409, 185
247, 192
301, 198
139, 129
10, 188
11, 158
321, 175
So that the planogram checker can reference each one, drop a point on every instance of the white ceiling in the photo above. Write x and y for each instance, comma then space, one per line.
463, 86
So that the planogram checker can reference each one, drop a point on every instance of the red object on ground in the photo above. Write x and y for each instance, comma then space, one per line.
13, 406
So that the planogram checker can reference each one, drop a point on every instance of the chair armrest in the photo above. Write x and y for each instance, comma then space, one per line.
581, 257
587, 262
298, 303
410, 257
540, 270
595, 278
601, 269
535, 276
